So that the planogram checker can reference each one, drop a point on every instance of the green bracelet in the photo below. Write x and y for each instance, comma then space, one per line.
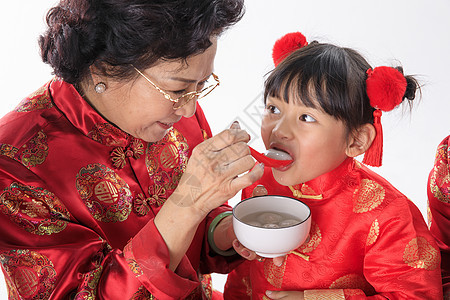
211, 229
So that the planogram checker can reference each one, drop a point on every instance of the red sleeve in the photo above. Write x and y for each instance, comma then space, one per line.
439, 208
150, 256
44, 251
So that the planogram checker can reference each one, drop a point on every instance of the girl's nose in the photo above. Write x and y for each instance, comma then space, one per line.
283, 129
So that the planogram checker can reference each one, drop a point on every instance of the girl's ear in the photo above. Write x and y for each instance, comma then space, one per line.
361, 140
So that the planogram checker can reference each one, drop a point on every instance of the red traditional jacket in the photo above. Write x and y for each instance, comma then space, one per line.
78, 199
439, 208
367, 241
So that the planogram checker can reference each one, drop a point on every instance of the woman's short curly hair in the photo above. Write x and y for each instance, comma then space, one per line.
113, 34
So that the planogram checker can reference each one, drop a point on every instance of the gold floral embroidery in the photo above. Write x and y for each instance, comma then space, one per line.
88, 287
313, 241
273, 273
8, 150
108, 134
324, 294
32, 274
352, 281
132, 263
106, 195
171, 152
36, 101
36, 210
35, 151
142, 294
166, 162
420, 254
248, 286
368, 196
206, 283
13, 294
373, 233
440, 181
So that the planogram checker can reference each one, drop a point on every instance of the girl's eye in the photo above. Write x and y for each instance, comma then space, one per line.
307, 118
272, 109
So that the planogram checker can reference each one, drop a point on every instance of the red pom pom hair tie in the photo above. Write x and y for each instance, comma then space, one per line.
385, 87
286, 45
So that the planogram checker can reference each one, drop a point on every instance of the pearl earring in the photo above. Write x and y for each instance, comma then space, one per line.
100, 87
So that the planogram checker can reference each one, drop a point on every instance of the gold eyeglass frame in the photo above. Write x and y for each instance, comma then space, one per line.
190, 95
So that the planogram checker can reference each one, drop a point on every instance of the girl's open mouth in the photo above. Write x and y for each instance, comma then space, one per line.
272, 158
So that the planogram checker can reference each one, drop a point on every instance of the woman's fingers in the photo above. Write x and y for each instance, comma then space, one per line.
227, 138
285, 295
278, 261
233, 155
243, 181
244, 252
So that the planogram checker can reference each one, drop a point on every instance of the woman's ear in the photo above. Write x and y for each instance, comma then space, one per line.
95, 77
361, 139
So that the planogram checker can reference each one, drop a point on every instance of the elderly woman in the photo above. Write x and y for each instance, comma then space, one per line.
110, 180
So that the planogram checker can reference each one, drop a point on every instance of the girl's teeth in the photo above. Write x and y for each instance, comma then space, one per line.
277, 154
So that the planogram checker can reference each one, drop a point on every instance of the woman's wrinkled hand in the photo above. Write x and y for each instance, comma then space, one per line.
212, 173
251, 255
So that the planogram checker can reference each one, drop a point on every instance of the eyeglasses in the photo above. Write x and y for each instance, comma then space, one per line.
186, 98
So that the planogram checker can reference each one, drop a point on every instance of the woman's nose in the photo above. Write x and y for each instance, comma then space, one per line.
187, 110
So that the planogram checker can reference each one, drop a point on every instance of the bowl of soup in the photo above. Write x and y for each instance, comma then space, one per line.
270, 225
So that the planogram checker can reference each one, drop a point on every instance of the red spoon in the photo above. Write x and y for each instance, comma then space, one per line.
267, 161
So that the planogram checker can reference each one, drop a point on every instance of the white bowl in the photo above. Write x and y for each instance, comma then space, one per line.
272, 242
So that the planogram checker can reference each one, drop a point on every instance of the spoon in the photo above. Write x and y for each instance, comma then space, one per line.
267, 161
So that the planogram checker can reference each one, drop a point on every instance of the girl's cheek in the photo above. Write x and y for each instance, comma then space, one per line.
265, 133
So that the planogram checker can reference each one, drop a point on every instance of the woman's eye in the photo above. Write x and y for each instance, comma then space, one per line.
201, 85
272, 109
307, 118
180, 92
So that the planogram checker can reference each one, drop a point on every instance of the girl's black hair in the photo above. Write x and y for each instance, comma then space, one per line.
332, 77
114, 34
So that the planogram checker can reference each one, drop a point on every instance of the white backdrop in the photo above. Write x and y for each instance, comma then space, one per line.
412, 32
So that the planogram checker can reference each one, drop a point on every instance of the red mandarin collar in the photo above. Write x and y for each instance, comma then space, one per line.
84, 117
331, 182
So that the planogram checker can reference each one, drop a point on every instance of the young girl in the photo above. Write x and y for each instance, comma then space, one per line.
323, 106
